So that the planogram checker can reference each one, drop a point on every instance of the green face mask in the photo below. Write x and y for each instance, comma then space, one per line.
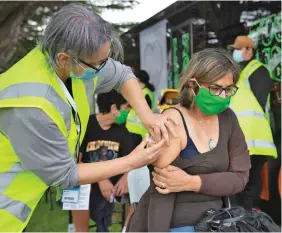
209, 104
121, 119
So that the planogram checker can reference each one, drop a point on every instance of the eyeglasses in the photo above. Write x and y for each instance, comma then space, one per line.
216, 90
101, 65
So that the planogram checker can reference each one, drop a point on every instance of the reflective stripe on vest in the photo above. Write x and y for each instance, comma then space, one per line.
261, 144
39, 90
16, 208
267, 109
31, 83
249, 113
256, 143
253, 120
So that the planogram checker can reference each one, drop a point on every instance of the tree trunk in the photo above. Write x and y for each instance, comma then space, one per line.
11, 21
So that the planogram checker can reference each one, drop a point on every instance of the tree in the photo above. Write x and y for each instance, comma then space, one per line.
123, 27
23, 23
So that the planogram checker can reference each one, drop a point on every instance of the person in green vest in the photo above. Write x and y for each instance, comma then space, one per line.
133, 123
251, 105
45, 102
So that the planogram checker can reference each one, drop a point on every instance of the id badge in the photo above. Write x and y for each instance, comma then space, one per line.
71, 195
83, 199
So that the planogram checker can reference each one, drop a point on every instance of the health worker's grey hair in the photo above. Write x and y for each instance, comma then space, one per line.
80, 32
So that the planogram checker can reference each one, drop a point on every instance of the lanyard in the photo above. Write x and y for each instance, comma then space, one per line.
76, 117
68, 95
72, 103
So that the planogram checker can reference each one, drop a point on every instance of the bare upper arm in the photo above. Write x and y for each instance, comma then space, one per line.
169, 153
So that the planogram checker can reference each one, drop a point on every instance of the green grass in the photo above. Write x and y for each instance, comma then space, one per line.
56, 220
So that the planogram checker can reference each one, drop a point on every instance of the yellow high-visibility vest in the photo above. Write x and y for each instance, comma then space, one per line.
133, 122
25, 85
253, 120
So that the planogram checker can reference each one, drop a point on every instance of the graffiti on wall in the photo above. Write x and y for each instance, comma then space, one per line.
185, 51
175, 63
266, 33
180, 58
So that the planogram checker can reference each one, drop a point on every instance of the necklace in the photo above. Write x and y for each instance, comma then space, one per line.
212, 143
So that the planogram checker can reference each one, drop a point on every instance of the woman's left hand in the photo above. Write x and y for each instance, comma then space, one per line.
172, 179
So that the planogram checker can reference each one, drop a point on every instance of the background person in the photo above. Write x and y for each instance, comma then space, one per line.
252, 105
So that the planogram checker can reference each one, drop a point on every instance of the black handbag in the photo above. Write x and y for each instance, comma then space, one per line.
236, 219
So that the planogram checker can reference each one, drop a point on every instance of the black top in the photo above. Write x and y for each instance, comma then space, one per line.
260, 83
100, 145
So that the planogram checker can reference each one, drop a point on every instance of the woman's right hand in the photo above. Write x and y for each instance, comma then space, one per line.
142, 156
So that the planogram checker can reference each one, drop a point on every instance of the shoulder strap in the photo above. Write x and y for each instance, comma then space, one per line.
183, 119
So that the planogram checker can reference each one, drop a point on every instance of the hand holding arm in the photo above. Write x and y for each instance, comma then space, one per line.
172, 179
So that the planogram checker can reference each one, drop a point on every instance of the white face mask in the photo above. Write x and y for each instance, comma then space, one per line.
238, 56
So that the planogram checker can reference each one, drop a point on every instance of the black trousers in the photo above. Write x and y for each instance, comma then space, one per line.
254, 187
